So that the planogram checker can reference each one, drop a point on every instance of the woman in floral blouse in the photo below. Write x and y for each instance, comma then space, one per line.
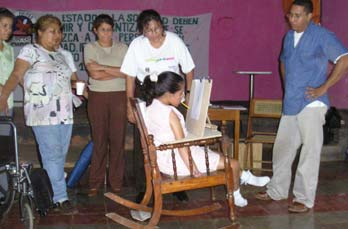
47, 101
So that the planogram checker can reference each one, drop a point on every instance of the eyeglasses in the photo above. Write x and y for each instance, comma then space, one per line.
294, 15
153, 31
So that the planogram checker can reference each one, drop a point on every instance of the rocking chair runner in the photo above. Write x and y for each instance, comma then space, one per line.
158, 184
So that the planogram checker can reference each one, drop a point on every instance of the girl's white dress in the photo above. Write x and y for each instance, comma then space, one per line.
157, 123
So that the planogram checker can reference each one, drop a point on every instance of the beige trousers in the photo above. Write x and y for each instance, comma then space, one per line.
304, 129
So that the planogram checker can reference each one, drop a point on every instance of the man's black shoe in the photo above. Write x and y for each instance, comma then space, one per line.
139, 197
182, 196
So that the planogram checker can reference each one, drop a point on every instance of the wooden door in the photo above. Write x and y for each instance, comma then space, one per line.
316, 9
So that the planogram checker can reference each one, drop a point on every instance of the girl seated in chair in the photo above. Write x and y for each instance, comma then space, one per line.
162, 94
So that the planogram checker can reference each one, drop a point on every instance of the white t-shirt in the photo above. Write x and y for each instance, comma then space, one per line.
142, 58
297, 37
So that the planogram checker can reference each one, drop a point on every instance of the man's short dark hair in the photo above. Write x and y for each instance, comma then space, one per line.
307, 4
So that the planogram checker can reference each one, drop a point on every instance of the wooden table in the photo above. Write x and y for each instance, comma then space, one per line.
229, 113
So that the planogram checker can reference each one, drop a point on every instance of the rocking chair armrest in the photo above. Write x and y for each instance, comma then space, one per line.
208, 133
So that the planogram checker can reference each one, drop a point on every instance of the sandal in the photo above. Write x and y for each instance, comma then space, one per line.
297, 207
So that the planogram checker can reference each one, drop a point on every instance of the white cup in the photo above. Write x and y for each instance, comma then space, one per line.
80, 86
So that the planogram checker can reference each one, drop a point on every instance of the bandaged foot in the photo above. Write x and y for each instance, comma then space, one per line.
248, 178
239, 200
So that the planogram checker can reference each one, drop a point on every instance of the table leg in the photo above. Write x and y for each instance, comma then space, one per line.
251, 86
236, 135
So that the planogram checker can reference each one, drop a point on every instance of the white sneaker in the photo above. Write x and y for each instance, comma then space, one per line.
248, 178
239, 200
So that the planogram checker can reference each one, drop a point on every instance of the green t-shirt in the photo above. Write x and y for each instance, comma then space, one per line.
6, 67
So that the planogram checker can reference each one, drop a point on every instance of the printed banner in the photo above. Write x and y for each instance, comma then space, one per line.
77, 31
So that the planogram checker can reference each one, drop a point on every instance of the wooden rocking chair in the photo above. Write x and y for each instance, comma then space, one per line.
157, 184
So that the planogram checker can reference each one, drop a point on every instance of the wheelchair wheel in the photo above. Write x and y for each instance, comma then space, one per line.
7, 193
27, 215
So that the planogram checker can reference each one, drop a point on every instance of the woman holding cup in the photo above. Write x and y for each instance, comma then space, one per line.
74, 78
47, 102
107, 105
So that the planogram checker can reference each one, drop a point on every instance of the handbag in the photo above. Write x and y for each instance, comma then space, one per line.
42, 189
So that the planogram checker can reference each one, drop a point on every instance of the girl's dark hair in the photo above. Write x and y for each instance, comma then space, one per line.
6, 13
145, 17
103, 18
167, 82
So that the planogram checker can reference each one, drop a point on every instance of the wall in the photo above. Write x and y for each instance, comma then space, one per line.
245, 35
335, 19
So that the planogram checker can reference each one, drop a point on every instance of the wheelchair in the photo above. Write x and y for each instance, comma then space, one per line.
16, 182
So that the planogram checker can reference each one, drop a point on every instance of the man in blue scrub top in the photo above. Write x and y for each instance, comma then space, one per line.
307, 48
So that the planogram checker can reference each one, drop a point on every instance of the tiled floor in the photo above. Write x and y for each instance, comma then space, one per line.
330, 211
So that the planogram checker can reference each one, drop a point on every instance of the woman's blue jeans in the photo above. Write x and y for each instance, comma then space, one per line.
54, 141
